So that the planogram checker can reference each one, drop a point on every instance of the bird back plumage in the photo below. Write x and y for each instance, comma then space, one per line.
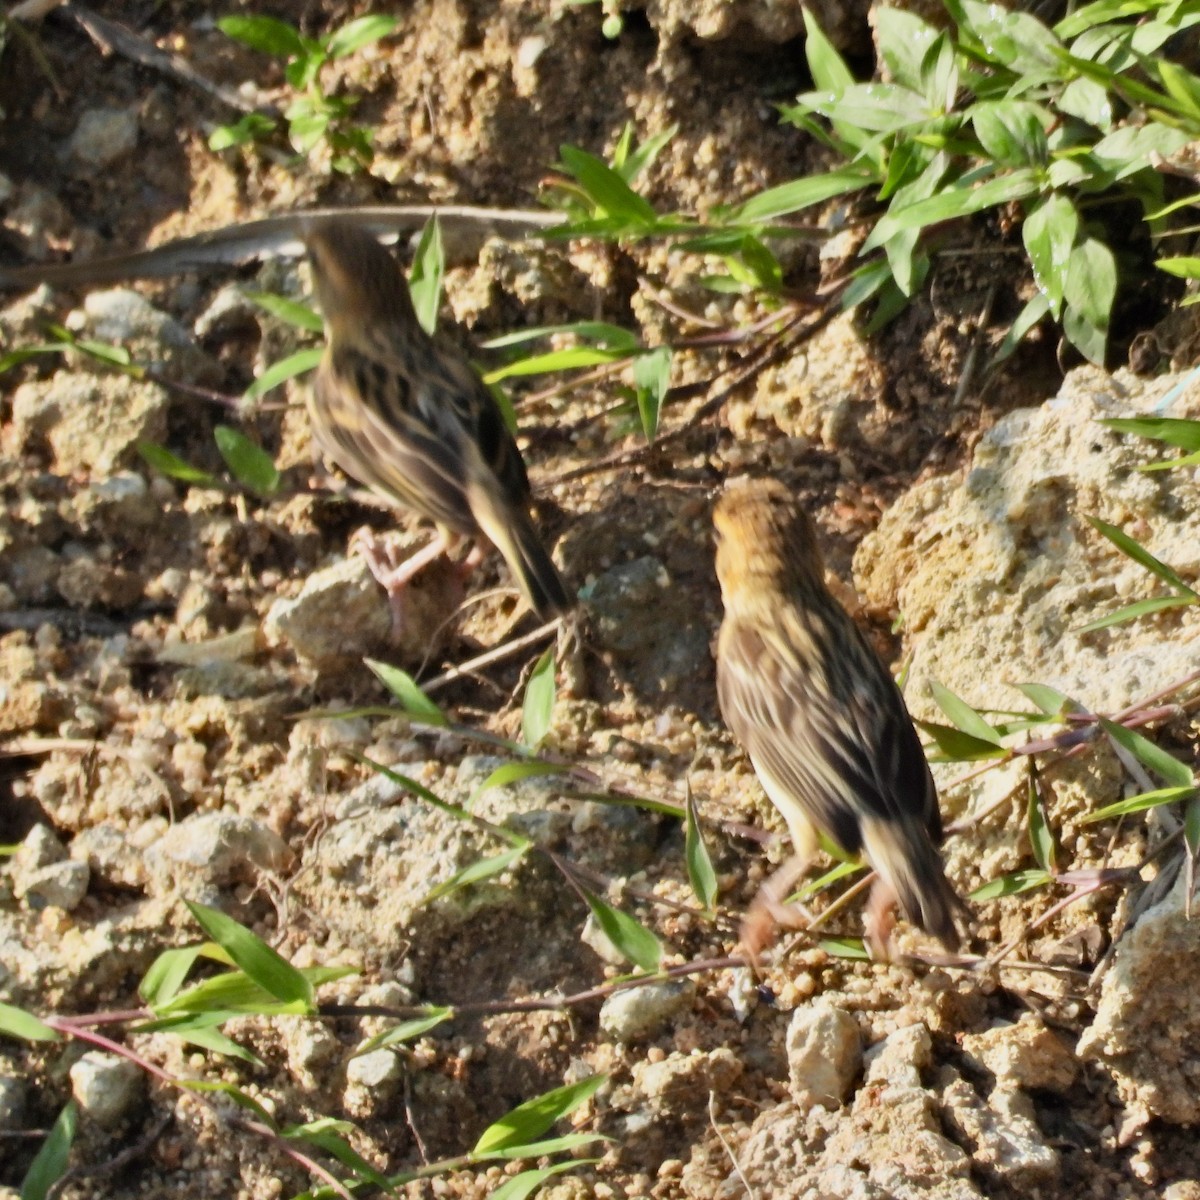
820, 717
409, 417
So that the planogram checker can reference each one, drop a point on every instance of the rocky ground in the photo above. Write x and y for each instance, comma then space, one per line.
170, 656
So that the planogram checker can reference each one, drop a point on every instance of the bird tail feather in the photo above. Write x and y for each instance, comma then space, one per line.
910, 865
513, 534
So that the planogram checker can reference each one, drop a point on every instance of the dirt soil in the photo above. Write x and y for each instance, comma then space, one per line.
157, 700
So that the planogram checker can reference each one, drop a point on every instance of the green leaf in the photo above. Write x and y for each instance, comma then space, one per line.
354, 35
848, 947
167, 974
406, 689
248, 129
406, 1031
514, 772
17, 1023
530, 1120
477, 872
1172, 430
1091, 286
611, 195
273, 973
1013, 39
956, 746
1012, 132
251, 465
903, 39
537, 707
162, 460
264, 34
799, 194
1041, 839
1170, 769
962, 715
428, 271
1135, 804
1051, 701
50, 1163
652, 378
1181, 265
326, 1133
1132, 611
958, 201
701, 874
1182, 85
828, 68
240, 1098
521, 1186
630, 937
1049, 233
285, 369
1012, 884
1142, 557
568, 359
634, 163
291, 311
835, 874
607, 336
199, 1029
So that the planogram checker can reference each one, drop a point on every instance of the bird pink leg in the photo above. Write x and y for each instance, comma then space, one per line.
768, 912
393, 573
879, 920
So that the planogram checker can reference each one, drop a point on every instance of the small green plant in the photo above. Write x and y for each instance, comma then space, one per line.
313, 116
1065, 122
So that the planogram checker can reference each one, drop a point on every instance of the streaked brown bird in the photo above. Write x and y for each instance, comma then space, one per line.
822, 721
408, 416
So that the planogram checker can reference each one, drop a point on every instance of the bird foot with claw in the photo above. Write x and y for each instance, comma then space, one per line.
394, 572
763, 920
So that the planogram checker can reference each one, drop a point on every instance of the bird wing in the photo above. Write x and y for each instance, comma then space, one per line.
417, 432
827, 726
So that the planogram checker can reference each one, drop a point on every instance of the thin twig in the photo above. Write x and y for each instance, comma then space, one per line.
117, 39
495, 655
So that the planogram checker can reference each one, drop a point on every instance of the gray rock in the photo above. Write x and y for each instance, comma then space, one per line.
824, 1049
641, 1012
216, 849
103, 137
107, 1087
376, 1070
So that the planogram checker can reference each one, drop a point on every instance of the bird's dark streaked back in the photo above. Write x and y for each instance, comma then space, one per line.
815, 709
408, 415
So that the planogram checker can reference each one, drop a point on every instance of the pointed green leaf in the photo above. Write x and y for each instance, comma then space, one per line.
406, 1031
630, 937
530, 1120
1166, 766
1131, 612
1041, 839
476, 872
1135, 804
606, 189
537, 707
406, 689
956, 746
290, 311
1051, 701
426, 276
50, 1163
700, 871
1142, 557
962, 714
162, 460
1172, 430
272, 972
251, 465
167, 973
17, 1023
1012, 884
652, 378
283, 370
354, 35
521, 1186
